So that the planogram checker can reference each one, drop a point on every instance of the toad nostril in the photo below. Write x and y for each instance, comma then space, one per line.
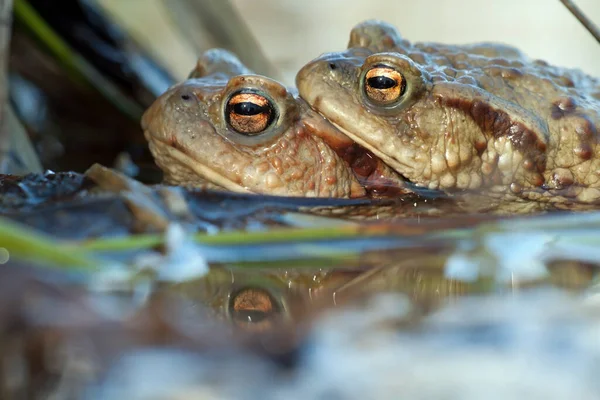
332, 66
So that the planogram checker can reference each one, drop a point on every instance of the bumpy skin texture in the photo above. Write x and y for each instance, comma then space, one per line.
299, 154
479, 117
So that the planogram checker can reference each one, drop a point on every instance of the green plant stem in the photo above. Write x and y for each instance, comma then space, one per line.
234, 238
82, 72
27, 244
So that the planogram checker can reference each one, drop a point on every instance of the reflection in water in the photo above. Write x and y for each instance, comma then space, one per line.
494, 347
273, 299
253, 308
330, 329
418, 307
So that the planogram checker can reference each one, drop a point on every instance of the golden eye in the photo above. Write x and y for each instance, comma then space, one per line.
253, 309
384, 84
249, 113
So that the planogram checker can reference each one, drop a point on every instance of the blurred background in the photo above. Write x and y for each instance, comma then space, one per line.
291, 32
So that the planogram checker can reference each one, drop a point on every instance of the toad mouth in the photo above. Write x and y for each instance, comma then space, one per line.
206, 173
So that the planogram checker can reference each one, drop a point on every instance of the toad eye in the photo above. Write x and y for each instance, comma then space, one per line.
384, 84
249, 113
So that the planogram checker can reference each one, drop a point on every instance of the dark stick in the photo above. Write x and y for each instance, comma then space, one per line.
585, 21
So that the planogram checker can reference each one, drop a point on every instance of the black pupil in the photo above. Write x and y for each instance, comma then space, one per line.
248, 108
381, 82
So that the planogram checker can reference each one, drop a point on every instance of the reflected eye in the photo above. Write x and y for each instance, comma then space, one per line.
384, 84
253, 309
249, 113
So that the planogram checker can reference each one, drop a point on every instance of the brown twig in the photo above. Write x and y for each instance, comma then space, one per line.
585, 21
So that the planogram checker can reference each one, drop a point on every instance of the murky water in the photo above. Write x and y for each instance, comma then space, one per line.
432, 305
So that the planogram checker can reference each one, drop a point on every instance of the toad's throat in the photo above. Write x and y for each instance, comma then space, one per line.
199, 169
366, 145
407, 185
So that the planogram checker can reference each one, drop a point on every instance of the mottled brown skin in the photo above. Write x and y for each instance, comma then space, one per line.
298, 154
480, 117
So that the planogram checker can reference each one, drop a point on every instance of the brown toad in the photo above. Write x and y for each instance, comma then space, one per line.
476, 117
248, 133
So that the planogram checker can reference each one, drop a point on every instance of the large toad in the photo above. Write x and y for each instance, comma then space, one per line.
229, 128
455, 118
